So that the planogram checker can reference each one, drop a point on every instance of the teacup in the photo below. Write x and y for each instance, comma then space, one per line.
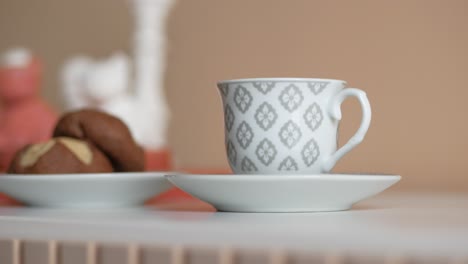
287, 125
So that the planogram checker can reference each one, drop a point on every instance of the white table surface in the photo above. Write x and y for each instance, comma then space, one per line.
390, 223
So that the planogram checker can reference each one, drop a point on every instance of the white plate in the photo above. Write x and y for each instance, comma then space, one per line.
90, 190
283, 193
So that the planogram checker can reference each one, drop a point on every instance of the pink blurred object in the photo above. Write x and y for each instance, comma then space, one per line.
24, 117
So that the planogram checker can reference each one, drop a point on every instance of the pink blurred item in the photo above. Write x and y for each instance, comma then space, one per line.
158, 160
24, 117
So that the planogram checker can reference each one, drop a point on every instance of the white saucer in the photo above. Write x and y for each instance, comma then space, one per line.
283, 193
88, 190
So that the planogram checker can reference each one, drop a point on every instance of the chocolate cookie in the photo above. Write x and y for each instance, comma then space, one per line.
108, 133
60, 155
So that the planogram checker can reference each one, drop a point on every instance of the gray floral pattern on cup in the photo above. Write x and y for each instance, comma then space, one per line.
265, 116
264, 87
242, 99
313, 116
288, 164
266, 152
291, 97
247, 165
310, 153
317, 86
229, 118
224, 88
232, 153
290, 134
244, 135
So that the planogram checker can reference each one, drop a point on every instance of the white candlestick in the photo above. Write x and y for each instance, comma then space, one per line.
103, 84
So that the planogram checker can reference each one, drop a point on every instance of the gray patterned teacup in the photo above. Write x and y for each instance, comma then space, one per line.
286, 125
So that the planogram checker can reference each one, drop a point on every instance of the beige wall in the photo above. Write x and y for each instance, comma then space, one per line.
410, 56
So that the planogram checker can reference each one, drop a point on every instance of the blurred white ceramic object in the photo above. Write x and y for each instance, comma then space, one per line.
105, 84
16, 57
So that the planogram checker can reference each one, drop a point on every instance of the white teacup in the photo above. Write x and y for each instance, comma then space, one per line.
287, 125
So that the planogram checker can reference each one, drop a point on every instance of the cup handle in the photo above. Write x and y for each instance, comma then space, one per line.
335, 112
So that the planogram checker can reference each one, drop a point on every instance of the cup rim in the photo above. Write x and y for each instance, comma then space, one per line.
277, 79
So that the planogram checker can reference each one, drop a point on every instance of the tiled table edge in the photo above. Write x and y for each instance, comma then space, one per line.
14, 251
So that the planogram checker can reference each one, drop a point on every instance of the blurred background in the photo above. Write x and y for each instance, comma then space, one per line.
411, 57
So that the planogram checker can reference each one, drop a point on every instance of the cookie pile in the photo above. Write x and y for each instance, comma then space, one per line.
85, 141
